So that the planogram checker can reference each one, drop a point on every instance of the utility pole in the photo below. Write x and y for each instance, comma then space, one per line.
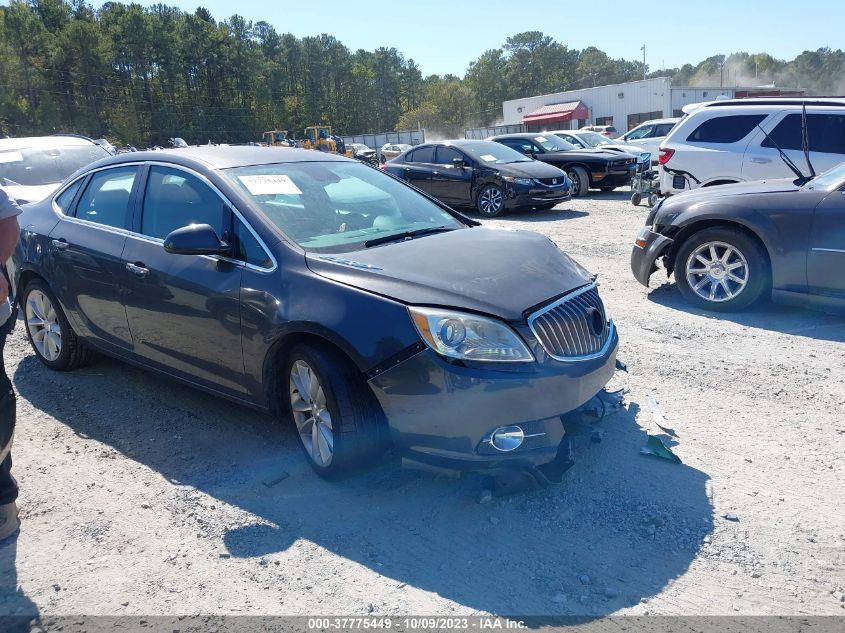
643, 50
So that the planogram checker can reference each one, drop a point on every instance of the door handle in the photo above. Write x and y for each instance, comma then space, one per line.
61, 244
760, 161
139, 270
435, 173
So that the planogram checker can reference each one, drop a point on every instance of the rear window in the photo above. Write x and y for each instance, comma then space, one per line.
826, 133
725, 129
44, 166
611, 129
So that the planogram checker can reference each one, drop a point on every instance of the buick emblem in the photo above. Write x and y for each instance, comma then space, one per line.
554, 181
596, 321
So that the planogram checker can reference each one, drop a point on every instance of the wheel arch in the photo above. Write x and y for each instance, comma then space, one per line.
278, 351
688, 230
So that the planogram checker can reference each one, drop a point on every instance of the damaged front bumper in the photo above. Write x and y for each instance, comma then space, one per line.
442, 414
648, 247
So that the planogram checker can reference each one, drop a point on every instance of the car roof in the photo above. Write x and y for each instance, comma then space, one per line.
58, 140
226, 157
653, 121
778, 101
521, 135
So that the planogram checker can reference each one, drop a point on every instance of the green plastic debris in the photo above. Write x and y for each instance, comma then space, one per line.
656, 447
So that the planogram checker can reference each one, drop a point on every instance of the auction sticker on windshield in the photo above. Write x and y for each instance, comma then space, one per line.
488, 158
540, 139
270, 185
11, 157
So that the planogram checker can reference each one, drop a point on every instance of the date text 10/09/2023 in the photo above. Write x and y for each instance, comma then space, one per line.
411, 623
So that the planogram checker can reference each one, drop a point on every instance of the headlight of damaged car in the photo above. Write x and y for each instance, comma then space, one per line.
519, 181
469, 336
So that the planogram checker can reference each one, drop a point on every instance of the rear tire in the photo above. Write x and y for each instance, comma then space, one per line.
653, 199
722, 269
48, 330
339, 423
580, 181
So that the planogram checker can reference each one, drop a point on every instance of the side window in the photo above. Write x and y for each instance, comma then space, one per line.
175, 198
421, 155
445, 155
725, 129
643, 132
65, 198
826, 133
106, 198
248, 248
663, 129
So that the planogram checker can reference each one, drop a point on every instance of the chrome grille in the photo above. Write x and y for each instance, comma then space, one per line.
565, 328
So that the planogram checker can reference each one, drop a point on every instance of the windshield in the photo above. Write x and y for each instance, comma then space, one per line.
45, 166
830, 179
493, 153
593, 139
552, 143
334, 207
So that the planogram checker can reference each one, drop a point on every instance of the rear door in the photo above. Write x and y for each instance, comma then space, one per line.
449, 183
86, 247
184, 310
826, 259
418, 167
826, 135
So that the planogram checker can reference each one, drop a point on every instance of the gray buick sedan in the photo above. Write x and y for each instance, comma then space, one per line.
362, 311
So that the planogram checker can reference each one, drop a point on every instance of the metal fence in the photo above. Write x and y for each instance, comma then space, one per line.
483, 132
375, 141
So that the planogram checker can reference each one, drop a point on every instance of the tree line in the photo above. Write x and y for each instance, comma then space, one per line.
141, 75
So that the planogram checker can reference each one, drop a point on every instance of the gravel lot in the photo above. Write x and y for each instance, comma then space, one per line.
142, 497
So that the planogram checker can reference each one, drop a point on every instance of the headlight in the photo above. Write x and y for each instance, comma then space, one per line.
469, 337
519, 181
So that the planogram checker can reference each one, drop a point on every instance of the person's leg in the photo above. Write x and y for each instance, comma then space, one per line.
8, 486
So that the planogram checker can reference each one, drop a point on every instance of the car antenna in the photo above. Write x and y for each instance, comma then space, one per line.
792, 166
805, 139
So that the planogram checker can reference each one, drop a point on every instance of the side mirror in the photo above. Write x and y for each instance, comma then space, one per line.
459, 163
195, 239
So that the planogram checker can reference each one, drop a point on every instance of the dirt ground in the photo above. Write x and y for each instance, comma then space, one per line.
139, 496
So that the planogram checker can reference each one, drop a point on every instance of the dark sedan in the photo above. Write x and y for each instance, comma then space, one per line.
587, 168
481, 174
731, 245
320, 289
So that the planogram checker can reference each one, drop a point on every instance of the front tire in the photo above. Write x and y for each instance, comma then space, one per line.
722, 269
339, 423
580, 181
491, 201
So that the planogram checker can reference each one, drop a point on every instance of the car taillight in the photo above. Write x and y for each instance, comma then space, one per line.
665, 154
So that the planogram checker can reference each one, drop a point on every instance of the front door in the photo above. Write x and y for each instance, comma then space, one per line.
86, 247
826, 259
418, 167
184, 310
450, 183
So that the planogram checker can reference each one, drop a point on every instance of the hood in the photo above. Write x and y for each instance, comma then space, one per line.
636, 150
34, 193
584, 154
492, 271
529, 169
778, 185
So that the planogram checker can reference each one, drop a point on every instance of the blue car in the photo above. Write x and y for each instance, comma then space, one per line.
317, 288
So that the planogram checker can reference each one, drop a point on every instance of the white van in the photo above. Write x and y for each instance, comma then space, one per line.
724, 141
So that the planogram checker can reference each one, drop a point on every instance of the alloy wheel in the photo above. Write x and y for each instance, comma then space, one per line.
717, 271
43, 325
490, 202
310, 412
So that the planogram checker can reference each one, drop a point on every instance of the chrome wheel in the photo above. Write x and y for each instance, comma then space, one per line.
490, 202
717, 271
313, 421
43, 325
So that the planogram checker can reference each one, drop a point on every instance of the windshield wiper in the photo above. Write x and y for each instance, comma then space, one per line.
407, 235
792, 166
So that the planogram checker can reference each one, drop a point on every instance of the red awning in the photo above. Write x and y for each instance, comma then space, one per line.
558, 112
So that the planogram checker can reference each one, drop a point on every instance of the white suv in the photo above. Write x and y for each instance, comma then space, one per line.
649, 135
722, 142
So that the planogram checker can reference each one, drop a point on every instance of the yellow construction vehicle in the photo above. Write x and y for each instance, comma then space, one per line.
320, 137
277, 138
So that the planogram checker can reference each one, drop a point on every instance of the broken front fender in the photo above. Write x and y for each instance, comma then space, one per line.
647, 248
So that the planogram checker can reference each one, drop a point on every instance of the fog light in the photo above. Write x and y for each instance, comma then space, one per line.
507, 438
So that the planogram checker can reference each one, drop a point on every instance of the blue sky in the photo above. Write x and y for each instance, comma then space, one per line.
444, 36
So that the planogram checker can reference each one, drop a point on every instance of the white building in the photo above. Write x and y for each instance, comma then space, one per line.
623, 106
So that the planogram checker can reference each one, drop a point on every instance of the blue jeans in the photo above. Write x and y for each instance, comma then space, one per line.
8, 485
